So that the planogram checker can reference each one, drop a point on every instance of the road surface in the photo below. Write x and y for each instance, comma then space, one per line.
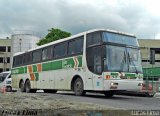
117, 102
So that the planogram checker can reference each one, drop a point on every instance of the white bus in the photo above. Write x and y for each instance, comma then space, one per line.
98, 60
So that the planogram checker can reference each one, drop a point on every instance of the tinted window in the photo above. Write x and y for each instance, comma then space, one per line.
14, 61
46, 53
9, 49
1, 59
3, 76
2, 49
75, 46
60, 50
94, 38
117, 38
8, 59
36, 56
1, 69
17, 60
94, 59
27, 58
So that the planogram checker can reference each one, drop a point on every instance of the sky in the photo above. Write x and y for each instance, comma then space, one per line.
138, 17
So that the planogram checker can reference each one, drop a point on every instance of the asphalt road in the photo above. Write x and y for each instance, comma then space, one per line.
116, 102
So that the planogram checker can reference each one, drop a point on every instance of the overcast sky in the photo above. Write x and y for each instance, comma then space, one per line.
139, 17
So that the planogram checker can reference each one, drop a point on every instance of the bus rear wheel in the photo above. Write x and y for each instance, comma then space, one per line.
78, 87
21, 86
28, 87
109, 94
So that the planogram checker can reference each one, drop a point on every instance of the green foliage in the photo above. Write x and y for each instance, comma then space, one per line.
53, 35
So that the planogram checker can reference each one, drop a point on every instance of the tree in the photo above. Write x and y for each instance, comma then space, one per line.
53, 35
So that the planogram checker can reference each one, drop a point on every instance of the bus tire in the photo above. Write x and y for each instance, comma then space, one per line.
49, 91
108, 94
21, 86
28, 87
78, 87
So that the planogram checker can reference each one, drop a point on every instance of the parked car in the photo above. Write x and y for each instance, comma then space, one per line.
6, 81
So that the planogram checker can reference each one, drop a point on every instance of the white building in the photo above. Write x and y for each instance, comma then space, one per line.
5, 54
23, 42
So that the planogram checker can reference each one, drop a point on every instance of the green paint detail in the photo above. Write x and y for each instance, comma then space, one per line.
19, 70
34, 67
37, 76
25, 69
51, 65
80, 61
55, 65
114, 74
130, 75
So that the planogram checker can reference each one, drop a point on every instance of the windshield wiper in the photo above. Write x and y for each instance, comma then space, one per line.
131, 61
123, 61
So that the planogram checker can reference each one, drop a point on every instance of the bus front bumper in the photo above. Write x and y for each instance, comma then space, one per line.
129, 85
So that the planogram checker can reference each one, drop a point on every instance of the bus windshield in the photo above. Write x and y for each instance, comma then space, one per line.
122, 59
123, 55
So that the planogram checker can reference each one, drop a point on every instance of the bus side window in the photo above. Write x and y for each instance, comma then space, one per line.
94, 38
60, 50
76, 46
44, 54
36, 56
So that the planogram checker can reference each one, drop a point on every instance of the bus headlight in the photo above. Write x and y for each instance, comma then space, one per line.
114, 85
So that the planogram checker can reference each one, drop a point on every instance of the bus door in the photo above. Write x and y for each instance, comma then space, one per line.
94, 62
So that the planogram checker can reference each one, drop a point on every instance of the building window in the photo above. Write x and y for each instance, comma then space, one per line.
9, 49
8, 59
7, 69
1, 59
1, 70
2, 49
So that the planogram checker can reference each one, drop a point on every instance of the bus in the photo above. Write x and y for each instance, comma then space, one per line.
98, 60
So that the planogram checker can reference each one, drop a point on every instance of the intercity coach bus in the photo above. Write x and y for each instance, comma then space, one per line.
98, 60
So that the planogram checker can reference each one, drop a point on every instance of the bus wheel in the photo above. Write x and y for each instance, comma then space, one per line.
108, 94
22, 88
49, 91
78, 87
28, 87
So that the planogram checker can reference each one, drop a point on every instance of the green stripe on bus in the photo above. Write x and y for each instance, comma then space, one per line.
34, 67
37, 76
51, 65
19, 70
80, 61
130, 75
25, 69
114, 74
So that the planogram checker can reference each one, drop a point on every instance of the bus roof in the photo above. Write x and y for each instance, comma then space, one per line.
74, 36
